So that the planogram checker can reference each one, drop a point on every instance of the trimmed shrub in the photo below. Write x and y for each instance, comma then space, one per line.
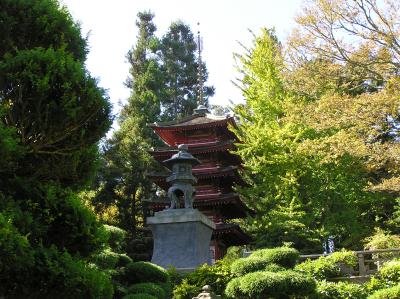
388, 276
390, 293
139, 296
263, 284
329, 266
243, 266
148, 288
332, 290
144, 272
274, 268
106, 259
283, 256
233, 288
116, 237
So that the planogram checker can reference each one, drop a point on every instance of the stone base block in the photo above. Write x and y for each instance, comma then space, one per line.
181, 238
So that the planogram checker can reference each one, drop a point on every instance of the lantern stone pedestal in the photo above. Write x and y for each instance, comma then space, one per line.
181, 238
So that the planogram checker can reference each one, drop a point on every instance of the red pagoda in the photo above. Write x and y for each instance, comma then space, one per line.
209, 140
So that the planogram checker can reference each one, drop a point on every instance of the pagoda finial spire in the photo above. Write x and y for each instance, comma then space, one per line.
200, 67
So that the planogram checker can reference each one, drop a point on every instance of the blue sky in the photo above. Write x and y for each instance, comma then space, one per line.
223, 23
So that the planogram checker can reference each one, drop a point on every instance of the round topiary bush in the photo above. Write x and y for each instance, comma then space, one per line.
233, 289
243, 266
329, 290
144, 272
390, 293
147, 288
283, 256
263, 284
274, 268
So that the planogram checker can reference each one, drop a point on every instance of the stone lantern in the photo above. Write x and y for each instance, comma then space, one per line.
182, 179
181, 236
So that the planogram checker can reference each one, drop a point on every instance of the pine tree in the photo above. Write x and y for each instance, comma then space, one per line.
181, 69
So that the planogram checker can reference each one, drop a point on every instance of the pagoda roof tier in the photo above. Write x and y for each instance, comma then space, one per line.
192, 122
174, 132
200, 174
230, 205
231, 234
195, 149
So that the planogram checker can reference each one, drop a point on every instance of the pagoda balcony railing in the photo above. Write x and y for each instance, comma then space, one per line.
202, 142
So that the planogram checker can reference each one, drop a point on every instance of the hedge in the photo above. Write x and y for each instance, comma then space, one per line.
243, 266
148, 288
390, 293
332, 290
138, 272
263, 284
283, 256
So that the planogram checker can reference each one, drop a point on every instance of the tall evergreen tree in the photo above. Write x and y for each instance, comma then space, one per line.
123, 182
181, 69
52, 115
164, 86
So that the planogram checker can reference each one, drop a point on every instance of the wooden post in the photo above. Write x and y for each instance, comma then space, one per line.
361, 265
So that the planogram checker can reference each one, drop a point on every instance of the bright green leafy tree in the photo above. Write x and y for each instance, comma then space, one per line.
301, 195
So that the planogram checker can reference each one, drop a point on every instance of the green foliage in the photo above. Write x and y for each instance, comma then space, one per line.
265, 284
186, 290
52, 116
16, 254
29, 24
382, 240
116, 237
232, 254
293, 188
283, 256
139, 296
387, 276
54, 274
390, 293
106, 259
273, 258
329, 266
138, 272
247, 265
66, 108
274, 268
148, 288
217, 276
163, 83
339, 290
178, 50
51, 215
